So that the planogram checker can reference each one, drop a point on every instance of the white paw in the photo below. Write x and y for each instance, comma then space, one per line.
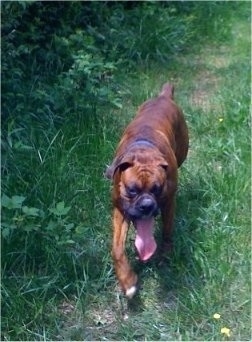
131, 292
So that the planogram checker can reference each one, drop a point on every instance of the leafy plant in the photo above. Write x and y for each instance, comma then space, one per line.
21, 219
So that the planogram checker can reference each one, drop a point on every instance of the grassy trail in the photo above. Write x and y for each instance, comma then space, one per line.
208, 272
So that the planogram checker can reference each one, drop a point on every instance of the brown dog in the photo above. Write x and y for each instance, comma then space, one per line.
144, 174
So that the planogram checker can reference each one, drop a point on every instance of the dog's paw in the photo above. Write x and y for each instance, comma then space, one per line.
130, 293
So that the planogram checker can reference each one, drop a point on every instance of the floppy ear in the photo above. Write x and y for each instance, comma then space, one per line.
109, 172
120, 162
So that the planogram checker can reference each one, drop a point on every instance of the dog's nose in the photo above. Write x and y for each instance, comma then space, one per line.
146, 205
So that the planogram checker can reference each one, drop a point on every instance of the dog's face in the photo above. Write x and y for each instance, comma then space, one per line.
140, 183
141, 188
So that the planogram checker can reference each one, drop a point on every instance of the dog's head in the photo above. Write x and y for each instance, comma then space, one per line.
140, 184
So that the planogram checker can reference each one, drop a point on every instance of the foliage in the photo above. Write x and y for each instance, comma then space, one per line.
21, 217
76, 47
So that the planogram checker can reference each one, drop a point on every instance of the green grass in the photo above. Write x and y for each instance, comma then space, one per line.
64, 288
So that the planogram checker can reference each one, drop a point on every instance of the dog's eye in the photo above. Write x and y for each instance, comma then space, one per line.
132, 191
156, 189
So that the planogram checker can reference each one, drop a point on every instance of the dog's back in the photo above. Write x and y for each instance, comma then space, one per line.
162, 118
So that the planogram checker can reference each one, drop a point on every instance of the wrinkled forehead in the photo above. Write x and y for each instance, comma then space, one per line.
142, 176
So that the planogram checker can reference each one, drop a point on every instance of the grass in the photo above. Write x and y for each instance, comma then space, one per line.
64, 288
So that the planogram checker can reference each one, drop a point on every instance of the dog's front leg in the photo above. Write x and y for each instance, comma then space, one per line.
127, 278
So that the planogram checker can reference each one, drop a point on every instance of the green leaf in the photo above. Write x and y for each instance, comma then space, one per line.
6, 201
66, 242
31, 211
51, 226
7, 228
15, 202
6, 232
69, 227
31, 227
60, 209
20, 146
117, 103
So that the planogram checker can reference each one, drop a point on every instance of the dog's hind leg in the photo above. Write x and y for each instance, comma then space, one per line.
167, 213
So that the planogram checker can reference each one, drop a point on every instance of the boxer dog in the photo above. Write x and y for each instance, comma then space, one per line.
144, 174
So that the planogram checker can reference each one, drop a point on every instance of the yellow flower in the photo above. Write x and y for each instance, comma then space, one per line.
221, 119
225, 331
216, 316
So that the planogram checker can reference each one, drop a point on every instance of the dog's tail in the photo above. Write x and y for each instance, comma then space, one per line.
167, 90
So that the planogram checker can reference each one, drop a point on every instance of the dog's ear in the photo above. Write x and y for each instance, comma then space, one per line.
109, 172
121, 163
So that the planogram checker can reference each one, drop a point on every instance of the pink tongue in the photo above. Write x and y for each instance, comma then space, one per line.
145, 242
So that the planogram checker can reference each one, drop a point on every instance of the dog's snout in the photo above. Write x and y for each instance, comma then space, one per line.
146, 205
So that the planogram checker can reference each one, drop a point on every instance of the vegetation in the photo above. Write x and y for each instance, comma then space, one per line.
73, 74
